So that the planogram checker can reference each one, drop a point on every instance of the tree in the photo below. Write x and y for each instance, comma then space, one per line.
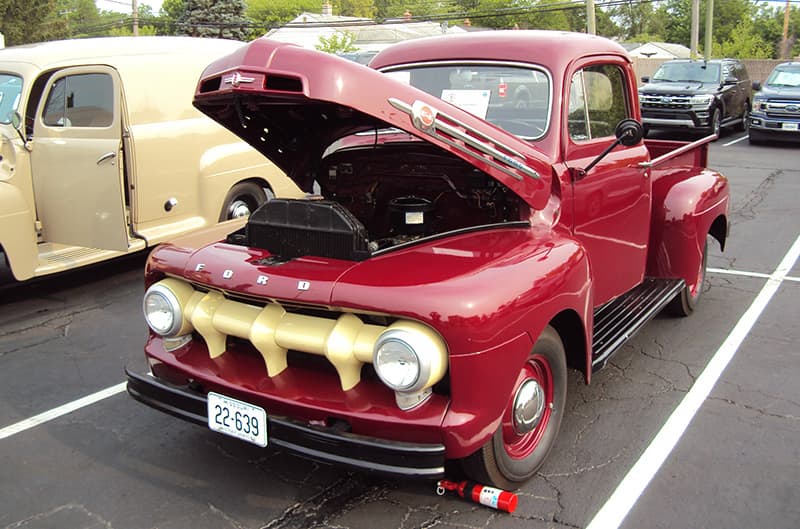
357, 8
338, 42
215, 18
30, 21
275, 13
744, 42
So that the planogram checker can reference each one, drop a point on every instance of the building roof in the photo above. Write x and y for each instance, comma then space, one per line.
658, 50
306, 30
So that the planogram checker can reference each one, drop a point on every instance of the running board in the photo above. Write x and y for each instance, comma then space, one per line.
619, 319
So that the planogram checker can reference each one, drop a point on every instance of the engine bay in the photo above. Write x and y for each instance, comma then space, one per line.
371, 199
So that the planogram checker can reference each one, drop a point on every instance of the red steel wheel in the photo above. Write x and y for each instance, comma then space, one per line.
530, 423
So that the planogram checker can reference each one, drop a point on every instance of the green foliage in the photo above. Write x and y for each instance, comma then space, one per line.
30, 21
338, 42
271, 14
743, 43
215, 18
356, 8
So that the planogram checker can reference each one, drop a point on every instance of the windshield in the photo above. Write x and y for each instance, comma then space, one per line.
514, 98
10, 89
785, 76
695, 72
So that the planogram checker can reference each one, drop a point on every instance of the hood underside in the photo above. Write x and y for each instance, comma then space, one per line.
299, 107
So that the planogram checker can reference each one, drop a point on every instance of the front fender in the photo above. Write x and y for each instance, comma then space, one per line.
688, 204
489, 294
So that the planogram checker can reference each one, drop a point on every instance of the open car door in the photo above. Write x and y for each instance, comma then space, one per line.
76, 160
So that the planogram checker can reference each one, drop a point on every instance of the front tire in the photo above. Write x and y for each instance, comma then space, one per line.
530, 422
715, 125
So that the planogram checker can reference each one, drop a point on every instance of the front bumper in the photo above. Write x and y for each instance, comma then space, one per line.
684, 118
786, 126
417, 460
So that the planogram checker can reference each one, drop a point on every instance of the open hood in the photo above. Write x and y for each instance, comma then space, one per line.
293, 104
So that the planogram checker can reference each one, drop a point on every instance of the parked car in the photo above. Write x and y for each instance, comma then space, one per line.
102, 153
427, 306
776, 105
697, 95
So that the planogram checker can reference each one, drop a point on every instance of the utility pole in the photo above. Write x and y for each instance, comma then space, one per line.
695, 37
709, 27
785, 42
591, 27
135, 9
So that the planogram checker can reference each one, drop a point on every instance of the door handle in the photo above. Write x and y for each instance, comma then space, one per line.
106, 156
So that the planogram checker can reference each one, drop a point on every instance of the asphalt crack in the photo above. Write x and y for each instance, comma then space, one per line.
340, 497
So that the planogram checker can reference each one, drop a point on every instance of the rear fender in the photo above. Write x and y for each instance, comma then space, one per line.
687, 206
224, 166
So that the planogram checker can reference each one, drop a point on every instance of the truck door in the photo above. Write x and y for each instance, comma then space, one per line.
76, 159
612, 201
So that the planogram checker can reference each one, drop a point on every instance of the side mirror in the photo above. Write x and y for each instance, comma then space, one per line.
16, 119
645, 79
756, 86
629, 132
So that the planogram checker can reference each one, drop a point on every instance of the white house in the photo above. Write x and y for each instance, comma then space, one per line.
657, 50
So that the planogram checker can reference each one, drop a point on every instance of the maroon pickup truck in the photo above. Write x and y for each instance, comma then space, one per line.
459, 249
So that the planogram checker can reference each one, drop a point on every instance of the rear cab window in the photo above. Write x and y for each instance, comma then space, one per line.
513, 97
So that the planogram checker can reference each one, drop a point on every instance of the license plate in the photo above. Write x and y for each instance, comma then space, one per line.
789, 126
237, 419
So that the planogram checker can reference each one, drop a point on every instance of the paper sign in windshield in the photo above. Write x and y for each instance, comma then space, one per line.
473, 101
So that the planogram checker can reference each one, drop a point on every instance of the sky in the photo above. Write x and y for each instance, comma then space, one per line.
124, 6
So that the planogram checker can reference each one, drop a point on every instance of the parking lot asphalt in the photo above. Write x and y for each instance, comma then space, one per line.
112, 463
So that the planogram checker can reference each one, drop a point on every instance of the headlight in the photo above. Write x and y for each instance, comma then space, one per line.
409, 357
759, 104
701, 100
162, 310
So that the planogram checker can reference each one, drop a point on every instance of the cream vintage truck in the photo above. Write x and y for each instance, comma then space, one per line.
102, 153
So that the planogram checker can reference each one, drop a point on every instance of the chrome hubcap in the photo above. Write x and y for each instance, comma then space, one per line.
237, 209
528, 407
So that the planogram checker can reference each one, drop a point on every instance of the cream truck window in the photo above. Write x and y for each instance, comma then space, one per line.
10, 88
85, 100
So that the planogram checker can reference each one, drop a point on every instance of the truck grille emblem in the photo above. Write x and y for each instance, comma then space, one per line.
236, 79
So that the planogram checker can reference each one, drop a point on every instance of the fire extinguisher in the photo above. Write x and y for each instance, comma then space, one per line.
491, 497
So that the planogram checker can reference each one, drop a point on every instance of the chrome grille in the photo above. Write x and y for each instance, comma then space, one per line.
665, 101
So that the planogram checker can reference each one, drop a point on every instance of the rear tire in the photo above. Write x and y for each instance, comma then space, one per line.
530, 422
684, 303
243, 199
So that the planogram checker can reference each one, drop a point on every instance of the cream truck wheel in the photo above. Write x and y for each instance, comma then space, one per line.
530, 422
243, 199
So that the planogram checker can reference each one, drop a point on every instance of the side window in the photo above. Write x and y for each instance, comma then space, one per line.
597, 102
84, 100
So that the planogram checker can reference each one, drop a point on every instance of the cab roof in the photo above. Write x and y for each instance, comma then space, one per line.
552, 49
113, 50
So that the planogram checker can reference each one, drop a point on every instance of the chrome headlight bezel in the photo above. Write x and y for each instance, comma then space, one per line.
759, 104
414, 344
171, 303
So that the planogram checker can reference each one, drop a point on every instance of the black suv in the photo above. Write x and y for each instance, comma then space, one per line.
696, 94
776, 105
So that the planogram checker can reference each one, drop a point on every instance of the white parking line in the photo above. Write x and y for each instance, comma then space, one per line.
748, 274
630, 489
737, 140
55, 413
